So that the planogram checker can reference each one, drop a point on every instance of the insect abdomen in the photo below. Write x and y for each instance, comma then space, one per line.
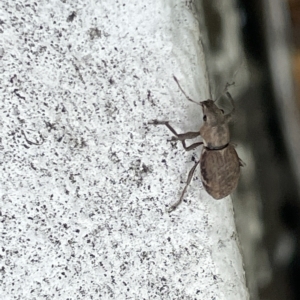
220, 171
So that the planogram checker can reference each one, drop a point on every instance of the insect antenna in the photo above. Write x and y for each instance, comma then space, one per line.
225, 91
186, 96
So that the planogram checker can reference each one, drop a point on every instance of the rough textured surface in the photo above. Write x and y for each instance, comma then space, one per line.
85, 181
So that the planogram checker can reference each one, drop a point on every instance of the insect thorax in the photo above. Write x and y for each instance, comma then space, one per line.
215, 137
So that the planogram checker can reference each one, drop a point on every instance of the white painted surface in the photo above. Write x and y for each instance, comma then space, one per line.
83, 213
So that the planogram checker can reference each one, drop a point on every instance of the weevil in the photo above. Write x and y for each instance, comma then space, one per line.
219, 161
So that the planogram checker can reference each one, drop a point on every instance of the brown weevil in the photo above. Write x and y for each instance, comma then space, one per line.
219, 162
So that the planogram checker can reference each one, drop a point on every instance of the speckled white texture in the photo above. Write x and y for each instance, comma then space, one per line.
85, 181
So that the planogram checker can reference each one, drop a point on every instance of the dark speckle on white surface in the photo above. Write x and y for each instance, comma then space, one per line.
85, 181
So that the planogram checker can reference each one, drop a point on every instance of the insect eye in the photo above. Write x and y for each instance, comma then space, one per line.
204, 118
222, 110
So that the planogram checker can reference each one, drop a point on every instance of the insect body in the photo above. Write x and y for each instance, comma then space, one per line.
220, 171
219, 162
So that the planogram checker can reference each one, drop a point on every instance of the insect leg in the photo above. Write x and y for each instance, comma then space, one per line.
180, 136
191, 147
190, 176
242, 164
